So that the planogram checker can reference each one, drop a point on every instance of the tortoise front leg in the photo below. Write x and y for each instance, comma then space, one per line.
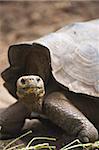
12, 120
61, 111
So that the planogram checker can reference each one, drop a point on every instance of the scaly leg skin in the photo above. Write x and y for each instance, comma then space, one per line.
61, 111
12, 120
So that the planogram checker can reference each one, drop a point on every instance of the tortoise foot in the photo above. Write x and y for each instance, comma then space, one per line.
88, 135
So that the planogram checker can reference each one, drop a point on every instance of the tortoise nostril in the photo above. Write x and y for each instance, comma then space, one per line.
31, 79
22, 81
38, 79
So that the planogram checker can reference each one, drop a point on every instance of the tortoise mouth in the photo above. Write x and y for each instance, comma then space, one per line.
30, 91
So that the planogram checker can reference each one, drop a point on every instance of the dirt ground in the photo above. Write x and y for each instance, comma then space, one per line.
28, 20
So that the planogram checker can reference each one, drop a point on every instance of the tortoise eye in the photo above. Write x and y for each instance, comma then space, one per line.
22, 81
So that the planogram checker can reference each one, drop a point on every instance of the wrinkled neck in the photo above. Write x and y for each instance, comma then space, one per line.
33, 103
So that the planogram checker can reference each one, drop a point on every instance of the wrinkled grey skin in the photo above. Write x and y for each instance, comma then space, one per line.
77, 114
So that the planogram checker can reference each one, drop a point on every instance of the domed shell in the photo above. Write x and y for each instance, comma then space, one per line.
74, 52
75, 56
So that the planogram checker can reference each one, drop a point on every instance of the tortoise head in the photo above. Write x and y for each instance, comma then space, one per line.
30, 89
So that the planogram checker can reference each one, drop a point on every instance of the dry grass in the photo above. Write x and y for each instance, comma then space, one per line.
73, 145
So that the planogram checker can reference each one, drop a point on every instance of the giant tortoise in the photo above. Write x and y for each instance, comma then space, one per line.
57, 76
